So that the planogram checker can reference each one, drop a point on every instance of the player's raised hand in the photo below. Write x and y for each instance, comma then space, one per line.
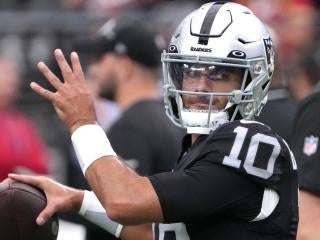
72, 100
60, 198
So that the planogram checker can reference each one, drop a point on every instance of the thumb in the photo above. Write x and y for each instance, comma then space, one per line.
45, 215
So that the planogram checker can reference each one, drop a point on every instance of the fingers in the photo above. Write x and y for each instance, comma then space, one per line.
46, 214
37, 181
66, 70
42, 91
76, 66
32, 180
52, 78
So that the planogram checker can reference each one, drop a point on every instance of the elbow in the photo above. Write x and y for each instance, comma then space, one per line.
115, 213
121, 212
303, 235
307, 232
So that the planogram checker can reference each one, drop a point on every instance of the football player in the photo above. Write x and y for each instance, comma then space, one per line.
235, 179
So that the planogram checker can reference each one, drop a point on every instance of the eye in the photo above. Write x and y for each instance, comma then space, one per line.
218, 73
192, 71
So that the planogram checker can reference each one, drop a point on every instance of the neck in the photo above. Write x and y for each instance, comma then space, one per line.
194, 138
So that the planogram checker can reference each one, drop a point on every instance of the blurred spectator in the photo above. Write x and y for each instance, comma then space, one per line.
293, 20
305, 145
280, 108
107, 111
115, 7
127, 57
297, 30
303, 73
128, 54
21, 149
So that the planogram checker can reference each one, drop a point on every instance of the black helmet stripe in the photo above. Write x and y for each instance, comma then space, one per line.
208, 21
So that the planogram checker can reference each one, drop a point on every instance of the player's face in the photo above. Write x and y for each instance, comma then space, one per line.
106, 80
208, 78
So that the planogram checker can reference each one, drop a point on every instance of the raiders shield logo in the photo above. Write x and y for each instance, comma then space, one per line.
269, 53
310, 145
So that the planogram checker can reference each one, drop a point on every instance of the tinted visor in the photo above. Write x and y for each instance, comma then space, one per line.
194, 71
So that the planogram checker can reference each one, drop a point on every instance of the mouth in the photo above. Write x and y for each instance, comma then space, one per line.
199, 106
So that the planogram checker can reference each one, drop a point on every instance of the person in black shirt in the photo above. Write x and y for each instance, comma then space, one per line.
280, 109
128, 75
235, 178
305, 145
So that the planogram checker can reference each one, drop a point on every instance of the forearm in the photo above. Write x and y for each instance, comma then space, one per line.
92, 210
127, 197
309, 221
139, 232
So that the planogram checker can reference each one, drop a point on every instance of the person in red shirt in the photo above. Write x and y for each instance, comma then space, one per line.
21, 148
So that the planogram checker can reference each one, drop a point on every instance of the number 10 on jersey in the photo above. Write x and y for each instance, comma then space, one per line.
233, 159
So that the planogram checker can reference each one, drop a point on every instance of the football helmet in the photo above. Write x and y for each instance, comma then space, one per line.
218, 37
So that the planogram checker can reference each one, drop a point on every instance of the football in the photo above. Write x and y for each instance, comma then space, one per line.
20, 204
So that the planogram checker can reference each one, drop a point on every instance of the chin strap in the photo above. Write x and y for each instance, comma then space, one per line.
203, 122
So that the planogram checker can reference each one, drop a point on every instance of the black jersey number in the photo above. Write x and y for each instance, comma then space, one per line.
259, 138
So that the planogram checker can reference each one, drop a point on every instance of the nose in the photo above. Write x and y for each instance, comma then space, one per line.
204, 84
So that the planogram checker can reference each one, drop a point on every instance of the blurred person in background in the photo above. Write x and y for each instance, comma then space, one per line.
293, 21
303, 76
126, 55
305, 143
280, 108
21, 148
107, 111
297, 29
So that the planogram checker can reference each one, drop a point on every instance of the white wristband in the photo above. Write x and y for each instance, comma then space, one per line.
92, 210
90, 143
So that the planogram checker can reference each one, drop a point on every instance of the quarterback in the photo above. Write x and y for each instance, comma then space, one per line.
235, 178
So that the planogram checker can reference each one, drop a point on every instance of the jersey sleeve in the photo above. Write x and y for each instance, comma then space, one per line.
305, 144
206, 189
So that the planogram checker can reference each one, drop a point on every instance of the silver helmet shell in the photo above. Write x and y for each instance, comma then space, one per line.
219, 34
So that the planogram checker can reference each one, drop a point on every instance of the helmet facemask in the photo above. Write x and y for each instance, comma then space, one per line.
206, 117
217, 36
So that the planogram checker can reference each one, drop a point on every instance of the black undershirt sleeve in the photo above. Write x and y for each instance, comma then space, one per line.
206, 189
